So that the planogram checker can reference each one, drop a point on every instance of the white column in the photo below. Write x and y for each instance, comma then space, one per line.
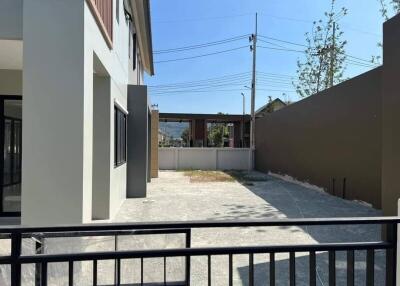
57, 114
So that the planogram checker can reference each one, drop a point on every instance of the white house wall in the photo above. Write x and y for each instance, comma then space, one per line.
116, 62
10, 82
58, 110
54, 169
11, 19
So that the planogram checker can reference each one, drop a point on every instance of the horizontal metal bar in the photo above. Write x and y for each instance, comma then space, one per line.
157, 253
105, 233
204, 224
6, 260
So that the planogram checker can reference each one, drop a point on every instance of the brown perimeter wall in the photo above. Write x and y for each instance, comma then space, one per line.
329, 137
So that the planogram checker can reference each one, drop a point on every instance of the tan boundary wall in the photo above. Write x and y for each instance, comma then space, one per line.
331, 139
154, 143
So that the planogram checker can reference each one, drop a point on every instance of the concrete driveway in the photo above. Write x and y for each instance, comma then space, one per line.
176, 197
173, 197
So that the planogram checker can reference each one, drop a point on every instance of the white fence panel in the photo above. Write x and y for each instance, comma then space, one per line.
196, 158
203, 159
233, 159
166, 158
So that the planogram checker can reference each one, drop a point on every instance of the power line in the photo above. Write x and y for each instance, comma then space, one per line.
280, 49
287, 18
226, 80
217, 90
358, 30
272, 43
197, 91
239, 79
291, 19
302, 45
207, 86
276, 74
200, 56
283, 41
203, 19
220, 78
204, 45
356, 63
212, 87
349, 61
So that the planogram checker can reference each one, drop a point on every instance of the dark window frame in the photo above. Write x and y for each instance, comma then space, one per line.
129, 38
117, 10
4, 97
120, 136
134, 51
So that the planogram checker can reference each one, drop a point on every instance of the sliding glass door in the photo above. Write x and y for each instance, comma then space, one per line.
11, 143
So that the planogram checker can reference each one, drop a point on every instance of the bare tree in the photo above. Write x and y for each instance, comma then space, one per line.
389, 5
325, 57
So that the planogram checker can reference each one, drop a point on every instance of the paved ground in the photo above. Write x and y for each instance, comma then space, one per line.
172, 197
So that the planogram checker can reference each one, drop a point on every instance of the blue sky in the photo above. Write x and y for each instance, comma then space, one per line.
180, 23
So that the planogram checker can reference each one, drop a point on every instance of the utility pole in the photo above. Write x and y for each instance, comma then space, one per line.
253, 97
244, 113
333, 54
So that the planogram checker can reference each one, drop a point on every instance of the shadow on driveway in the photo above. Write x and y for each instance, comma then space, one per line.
287, 199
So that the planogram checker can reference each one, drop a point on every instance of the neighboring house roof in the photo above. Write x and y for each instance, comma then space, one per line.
142, 20
272, 106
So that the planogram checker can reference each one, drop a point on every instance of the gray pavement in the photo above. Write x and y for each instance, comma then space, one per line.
172, 197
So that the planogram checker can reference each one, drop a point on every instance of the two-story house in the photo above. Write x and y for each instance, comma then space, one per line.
73, 108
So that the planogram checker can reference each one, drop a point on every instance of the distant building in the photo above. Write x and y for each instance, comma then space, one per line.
238, 127
271, 106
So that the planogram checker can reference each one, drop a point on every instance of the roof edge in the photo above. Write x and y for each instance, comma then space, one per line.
142, 21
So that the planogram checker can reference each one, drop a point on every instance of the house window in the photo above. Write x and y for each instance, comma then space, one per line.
119, 137
134, 51
129, 37
117, 10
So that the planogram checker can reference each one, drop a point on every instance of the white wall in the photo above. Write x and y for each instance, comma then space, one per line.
116, 64
11, 19
203, 158
53, 165
58, 109
10, 82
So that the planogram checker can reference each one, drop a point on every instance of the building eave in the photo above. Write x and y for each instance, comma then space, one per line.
142, 21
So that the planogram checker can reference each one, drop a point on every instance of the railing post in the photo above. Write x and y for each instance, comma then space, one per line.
16, 239
117, 264
39, 249
188, 245
391, 254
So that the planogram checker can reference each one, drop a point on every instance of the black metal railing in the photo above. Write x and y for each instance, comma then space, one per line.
41, 260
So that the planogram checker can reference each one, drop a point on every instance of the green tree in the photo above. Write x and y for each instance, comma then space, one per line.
216, 134
185, 136
325, 57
